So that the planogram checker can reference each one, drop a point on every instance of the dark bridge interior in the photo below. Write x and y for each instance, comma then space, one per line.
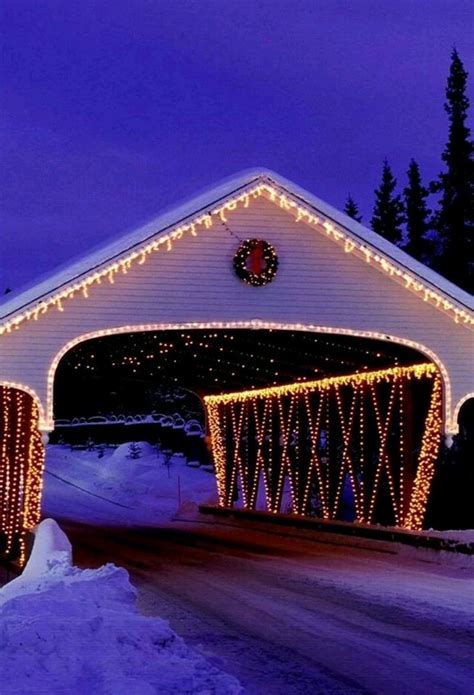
127, 373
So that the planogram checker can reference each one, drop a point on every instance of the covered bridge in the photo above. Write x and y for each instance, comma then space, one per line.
254, 253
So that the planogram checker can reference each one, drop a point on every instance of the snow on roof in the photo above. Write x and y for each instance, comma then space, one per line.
373, 239
86, 264
206, 201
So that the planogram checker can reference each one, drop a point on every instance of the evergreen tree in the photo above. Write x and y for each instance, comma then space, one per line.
388, 217
134, 450
352, 210
454, 220
417, 214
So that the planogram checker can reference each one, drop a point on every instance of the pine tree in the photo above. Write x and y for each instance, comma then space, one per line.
134, 450
388, 217
352, 210
454, 220
417, 214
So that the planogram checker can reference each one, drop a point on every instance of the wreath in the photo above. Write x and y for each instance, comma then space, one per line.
256, 262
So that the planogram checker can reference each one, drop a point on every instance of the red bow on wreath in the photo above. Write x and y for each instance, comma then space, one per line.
256, 262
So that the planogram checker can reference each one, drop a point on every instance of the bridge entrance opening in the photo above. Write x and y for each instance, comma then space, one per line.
354, 447
117, 386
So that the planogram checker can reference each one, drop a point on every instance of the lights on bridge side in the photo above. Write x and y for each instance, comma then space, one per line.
417, 370
21, 466
427, 459
228, 413
301, 211
24, 387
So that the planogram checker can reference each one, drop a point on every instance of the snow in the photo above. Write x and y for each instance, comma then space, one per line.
284, 614
51, 545
118, 490
67, 630
463, 536
288, 615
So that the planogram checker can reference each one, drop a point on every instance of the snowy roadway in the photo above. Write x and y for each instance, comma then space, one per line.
286, 616
292, 618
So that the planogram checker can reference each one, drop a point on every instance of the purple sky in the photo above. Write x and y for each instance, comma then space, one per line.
113, 110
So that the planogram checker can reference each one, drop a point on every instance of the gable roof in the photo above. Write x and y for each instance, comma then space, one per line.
170, 226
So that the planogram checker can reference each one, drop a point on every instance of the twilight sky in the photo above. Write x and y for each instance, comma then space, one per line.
113, 110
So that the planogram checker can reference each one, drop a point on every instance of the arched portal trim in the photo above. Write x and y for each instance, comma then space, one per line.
43, 424
460, 404
450, 424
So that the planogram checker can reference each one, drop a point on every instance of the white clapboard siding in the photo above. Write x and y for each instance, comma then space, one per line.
317, 283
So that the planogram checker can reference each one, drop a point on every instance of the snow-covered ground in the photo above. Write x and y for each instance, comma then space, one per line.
67, 631
284, 615
118, 490
462, 536
290, 616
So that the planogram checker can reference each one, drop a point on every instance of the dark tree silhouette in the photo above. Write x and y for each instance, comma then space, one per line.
454, 219
352, 210
388, 216
417, 215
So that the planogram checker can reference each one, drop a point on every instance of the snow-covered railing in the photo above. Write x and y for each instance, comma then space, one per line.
191, 427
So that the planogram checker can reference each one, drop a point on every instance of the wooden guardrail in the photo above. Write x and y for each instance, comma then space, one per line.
415, 539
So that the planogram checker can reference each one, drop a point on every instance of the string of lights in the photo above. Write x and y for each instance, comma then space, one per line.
21, 468
427, 458
314, 431
301, 212
393, 343
417, 370
152, 353
291, 449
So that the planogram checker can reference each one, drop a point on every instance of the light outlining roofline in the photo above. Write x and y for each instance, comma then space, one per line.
349, 241
131, 248
299, 198
47, 424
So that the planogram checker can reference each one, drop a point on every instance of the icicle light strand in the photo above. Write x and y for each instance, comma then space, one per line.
295, 206
21, 469
281, 453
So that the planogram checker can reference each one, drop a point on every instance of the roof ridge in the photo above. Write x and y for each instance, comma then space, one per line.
173, 223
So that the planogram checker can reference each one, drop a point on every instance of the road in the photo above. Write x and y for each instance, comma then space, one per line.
293, 617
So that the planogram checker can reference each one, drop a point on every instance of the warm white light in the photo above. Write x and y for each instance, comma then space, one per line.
295, 206
48, 422
454, 419
229, 416
31, 392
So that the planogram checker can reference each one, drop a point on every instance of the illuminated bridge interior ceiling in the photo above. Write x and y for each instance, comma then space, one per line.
104, 373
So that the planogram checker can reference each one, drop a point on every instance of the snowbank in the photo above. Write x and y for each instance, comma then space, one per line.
118, 490
463, 536
66, 630
143, 449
